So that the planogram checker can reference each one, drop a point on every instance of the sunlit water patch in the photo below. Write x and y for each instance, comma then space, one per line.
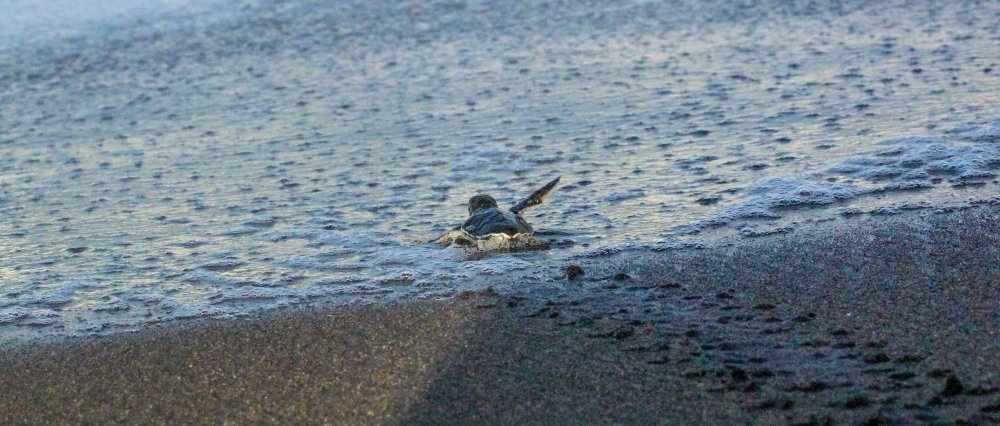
264, 154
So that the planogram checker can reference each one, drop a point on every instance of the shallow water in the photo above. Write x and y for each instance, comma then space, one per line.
205, 162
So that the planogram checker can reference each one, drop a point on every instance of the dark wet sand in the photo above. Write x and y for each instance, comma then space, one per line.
891, 321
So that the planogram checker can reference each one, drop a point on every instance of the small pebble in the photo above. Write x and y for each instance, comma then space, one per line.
573, 272
952, 387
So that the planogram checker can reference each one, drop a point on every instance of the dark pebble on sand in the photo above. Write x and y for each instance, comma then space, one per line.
659, 361
905, 375
876, 358
805, 318
772, 404
815, 420
857, 402
952, 387
738, 374
814, 386
694, 374
938, 373
980, 391
876, 420
623, 333
909, 359
573, 272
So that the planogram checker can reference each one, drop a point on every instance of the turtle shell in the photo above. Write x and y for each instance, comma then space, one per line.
494, 221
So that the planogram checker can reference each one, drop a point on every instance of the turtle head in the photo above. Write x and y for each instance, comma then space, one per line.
481, 202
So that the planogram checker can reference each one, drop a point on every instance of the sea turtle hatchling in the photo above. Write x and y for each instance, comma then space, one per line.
489, 228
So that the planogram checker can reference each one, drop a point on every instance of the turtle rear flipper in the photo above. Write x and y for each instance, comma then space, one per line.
536, 198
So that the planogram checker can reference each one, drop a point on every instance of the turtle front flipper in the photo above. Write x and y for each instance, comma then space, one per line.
448, 237
536, 198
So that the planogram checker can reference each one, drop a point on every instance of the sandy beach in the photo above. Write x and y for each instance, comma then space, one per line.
889, 321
